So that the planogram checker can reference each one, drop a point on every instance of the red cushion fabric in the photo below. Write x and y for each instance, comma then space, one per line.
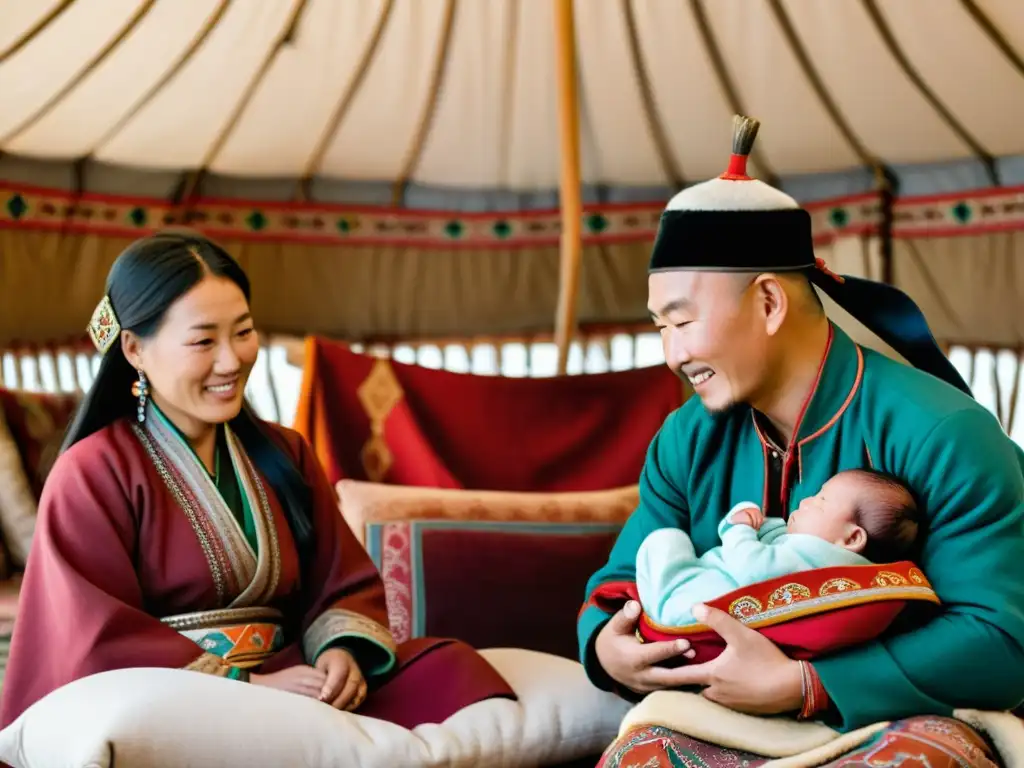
488, 583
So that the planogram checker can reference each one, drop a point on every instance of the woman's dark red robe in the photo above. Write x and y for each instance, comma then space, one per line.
134, 549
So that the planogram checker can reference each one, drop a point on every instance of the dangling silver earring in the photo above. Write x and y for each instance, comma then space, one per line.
141, 390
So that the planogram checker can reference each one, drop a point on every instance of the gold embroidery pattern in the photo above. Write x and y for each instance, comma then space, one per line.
210, 664
810, 593
889, 579
376, 457
235, 638
236, 555
208, 619
219, 577
336, 623
748, 609
268, 563
788, 594
838, 585
379, 393
745, 607
241, 576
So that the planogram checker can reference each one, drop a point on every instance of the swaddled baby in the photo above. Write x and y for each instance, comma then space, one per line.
857, 518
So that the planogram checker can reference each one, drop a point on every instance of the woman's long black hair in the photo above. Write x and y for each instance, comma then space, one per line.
145, 280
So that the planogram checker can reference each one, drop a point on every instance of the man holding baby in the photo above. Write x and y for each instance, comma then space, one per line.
784, 401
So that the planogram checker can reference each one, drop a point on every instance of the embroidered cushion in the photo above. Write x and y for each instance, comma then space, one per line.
489, 583
37, 421
32, 426
806, 614
151, 718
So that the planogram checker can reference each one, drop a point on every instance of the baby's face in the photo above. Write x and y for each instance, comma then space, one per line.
830, 514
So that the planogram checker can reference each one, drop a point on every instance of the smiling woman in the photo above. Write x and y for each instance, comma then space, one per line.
182, 339
196, 363
177, 529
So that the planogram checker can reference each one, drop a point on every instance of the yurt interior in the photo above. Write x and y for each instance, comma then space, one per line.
445, 210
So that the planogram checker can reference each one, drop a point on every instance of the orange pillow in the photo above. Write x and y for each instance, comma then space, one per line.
363, 503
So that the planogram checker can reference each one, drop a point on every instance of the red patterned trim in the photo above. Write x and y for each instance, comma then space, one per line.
976, 212
793, 447
396, 571
807, 593
846, 403
36, 208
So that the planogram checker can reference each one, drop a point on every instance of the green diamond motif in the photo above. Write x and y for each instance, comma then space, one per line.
454, 229
502, 229
343, 226
16, 206
137, 216
962, 212
839, 217
596, 223
256, 221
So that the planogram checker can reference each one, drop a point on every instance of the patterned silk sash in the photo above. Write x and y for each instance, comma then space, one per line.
241, 637
241, 576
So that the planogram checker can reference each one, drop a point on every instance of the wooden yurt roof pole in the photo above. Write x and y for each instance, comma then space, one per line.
569, 186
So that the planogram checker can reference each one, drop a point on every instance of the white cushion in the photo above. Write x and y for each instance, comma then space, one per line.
151, 718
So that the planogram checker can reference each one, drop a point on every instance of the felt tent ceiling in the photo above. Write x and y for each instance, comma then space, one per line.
446, 94
273, 126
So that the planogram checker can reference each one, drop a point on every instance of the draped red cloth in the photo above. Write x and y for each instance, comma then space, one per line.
379, 420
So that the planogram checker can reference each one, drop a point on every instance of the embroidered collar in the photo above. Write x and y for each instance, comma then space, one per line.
242, 576
217, 440
838, 380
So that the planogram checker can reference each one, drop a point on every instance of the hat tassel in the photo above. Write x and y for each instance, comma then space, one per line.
744, 131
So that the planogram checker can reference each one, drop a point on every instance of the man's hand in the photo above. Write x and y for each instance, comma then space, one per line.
752, 516
751, 675
345, 687
630, 662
